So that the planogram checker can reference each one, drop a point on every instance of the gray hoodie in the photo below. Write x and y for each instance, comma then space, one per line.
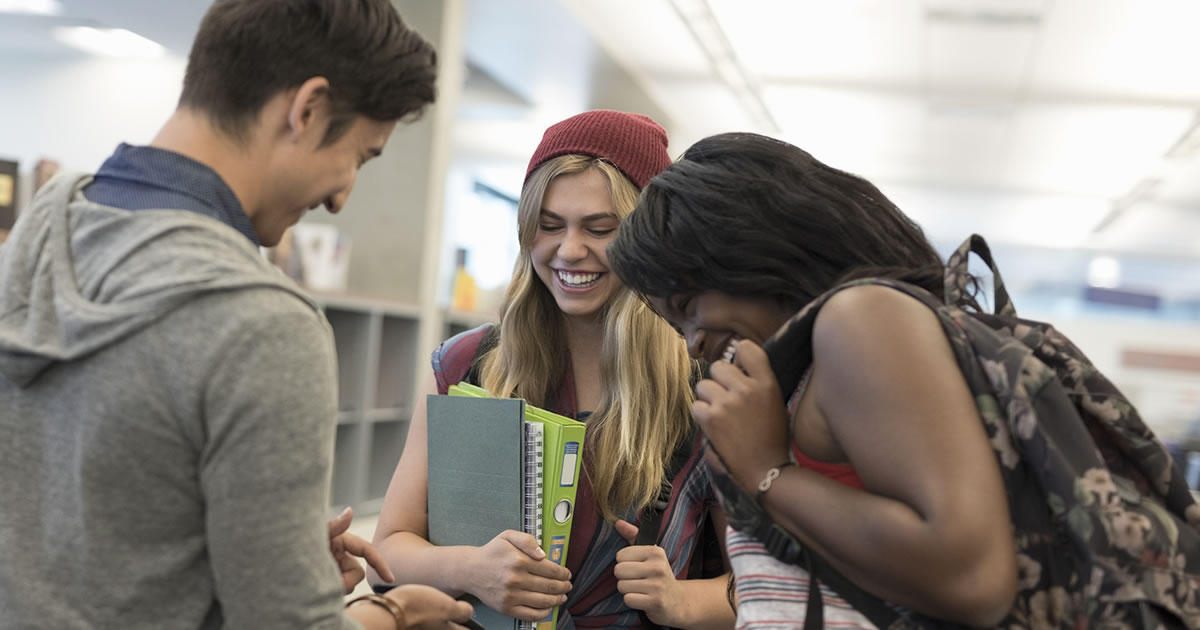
167, 404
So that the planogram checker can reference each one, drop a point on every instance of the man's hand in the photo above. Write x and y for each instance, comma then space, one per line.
426, 608
348, 548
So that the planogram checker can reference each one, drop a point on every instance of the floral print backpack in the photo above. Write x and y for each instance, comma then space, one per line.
1107, 533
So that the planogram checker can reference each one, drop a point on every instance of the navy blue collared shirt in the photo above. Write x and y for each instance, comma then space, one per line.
146, 178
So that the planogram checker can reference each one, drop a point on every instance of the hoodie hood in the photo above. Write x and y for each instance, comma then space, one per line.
76, 276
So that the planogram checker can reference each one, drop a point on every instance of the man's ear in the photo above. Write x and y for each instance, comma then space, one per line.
309, 109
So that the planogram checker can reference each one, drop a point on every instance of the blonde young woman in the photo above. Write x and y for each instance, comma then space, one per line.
574, 340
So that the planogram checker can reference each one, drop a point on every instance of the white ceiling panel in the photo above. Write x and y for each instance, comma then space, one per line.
1154, 227
644, 35
702, 108
977, 56
964, 142
1092, 149
949, 215
845, 42
874, 134
1120, 49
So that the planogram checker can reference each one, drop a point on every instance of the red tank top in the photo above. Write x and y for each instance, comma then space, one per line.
841, 473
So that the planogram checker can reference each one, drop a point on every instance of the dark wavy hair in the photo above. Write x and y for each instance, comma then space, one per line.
247, 51
749, 215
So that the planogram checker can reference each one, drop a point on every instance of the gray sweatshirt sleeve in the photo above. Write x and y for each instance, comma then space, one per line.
269, 410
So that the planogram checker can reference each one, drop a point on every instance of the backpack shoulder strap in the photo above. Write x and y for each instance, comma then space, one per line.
958, 278
490, 340
651, 517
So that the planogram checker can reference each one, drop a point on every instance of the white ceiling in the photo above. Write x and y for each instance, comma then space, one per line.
171, 23
1028, 120
1043, 124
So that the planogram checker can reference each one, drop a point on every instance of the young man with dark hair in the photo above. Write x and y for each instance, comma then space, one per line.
167, 399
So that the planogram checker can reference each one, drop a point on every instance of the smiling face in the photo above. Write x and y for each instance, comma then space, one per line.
576, 223
711, 320
291, 165
312, 175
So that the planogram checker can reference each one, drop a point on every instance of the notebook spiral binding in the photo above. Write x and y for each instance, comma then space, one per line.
534, 472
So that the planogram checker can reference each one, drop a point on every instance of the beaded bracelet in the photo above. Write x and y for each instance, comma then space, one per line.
391, 606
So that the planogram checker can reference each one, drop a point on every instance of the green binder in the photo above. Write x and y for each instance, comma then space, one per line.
481, 457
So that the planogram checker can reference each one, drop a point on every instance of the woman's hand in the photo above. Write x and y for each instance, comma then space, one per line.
645, 577
741, 412
515, 578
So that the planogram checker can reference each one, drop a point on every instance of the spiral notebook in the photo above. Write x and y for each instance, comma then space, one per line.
489, 471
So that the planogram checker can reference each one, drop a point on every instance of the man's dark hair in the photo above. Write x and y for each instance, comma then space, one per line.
749, 215
247, 51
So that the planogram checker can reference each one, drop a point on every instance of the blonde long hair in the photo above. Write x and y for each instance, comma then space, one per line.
644, 411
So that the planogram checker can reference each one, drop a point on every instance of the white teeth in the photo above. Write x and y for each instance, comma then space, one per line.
577, 279
730, 351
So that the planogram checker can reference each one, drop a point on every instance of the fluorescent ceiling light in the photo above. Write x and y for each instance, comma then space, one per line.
1104, 272
109, 42
32, 7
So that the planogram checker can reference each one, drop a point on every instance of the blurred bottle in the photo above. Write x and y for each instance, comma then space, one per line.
464, 294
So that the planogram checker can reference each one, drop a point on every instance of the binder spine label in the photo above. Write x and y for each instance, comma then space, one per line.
570, 457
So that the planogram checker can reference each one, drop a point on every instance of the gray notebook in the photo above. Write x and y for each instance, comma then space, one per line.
476, 463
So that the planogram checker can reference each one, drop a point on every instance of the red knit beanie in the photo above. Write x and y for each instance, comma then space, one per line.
635, 144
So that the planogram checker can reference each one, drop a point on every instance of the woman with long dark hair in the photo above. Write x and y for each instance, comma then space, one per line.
870, 464
887, 453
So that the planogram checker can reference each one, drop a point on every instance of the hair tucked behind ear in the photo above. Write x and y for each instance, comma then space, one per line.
746, 214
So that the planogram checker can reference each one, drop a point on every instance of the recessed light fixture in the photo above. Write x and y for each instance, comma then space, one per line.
32, 7
1104, 272
109, 42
